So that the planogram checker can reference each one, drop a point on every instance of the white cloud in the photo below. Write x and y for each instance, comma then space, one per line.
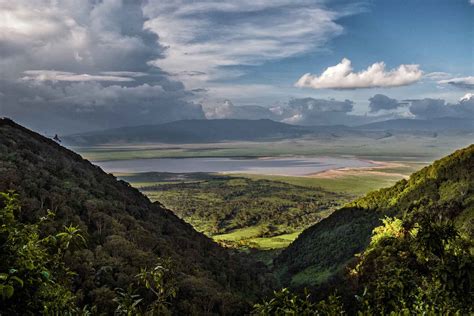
342, 76
462, 82
437, 75
51, 75
467, 96
204, 37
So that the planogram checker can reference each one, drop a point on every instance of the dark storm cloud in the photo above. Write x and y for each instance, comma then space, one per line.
77, 65
381, 102
438, 108
81, 106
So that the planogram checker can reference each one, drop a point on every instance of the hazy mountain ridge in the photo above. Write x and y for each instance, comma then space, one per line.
437, 124
221, 130
193, 131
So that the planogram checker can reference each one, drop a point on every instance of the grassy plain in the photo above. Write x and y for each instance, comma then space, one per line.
401, 147
200, 199
243, 210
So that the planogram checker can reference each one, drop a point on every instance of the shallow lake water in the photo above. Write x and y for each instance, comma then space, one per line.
287, 166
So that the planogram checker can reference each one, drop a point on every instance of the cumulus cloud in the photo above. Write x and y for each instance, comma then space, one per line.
300, 111
462, 82
228, 110
438, 108
310, 111
71, 65
206, 39
430, 108
467, 96
342, 76
381, 102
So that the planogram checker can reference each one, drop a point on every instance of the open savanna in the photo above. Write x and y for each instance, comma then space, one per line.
269, 211
262, 211
401, 147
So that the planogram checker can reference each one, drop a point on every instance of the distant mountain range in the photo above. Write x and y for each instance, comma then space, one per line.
219, 130
193, 131
438, 124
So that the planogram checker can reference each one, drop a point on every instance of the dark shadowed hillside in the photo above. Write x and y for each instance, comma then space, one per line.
123, 229
324, 250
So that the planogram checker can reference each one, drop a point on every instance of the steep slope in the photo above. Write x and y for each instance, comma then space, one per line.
124, 230
192, 131
323, 250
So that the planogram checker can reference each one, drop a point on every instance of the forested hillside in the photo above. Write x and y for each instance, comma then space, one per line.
124, 232
323, 251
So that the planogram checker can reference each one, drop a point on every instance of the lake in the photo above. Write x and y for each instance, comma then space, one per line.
287, 166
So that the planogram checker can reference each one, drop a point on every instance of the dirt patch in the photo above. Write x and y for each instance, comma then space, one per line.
373, 170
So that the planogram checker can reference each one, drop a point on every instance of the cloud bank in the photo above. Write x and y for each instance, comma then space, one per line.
227, 109
311, 111
438, 108
69, 66
342, 76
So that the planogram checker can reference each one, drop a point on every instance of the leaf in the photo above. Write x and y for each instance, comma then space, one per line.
3, 276
29, 265
17, 280
8, 291
45, 275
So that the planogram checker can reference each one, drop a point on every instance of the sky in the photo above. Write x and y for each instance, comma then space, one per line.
71, 66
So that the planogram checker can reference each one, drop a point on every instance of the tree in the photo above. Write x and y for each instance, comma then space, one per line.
285, 303
33, 276
421, 264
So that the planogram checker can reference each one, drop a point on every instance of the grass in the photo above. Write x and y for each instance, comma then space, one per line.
354, 185
401, 147
248, 237
312, 275
202, 199
199, 198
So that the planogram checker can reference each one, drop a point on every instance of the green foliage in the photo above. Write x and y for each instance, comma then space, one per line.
127, 302
223, 206
125, 232
159, 281
161, 284
33, 276
285, 303
420, 265
447, 186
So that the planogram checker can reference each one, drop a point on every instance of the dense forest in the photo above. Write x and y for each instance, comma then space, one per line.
439, 198
220, 204
124, 233
75, 240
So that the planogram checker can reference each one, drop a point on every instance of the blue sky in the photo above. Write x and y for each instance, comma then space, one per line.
437, 35
96, 64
